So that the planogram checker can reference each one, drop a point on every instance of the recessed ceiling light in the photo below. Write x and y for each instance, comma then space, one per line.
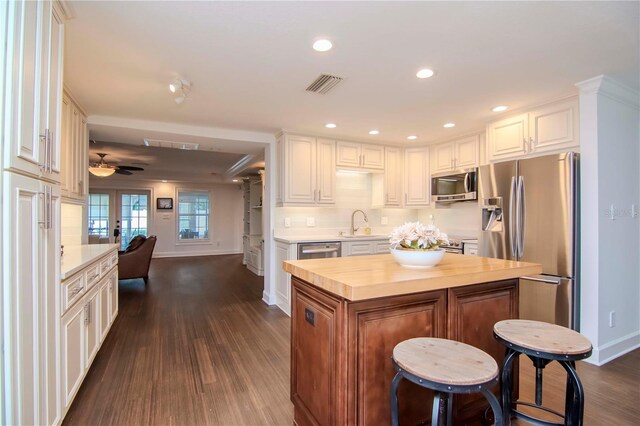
412, 137
330, 125
235, 180
499, 108
425, 73
374, 132
449, 125
322, 45
164, 181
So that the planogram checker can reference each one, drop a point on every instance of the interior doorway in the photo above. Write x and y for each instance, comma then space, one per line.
132, 210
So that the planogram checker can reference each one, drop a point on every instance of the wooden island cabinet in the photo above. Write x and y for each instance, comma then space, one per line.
349, 313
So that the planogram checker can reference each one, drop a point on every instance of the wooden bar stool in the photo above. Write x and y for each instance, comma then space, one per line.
542, 343
447, 367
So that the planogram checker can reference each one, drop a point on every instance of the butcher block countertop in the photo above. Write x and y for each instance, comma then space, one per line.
369, 277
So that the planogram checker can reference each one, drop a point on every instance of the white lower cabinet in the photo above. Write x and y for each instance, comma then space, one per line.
363, 248
86, 322
284, 251
73, 345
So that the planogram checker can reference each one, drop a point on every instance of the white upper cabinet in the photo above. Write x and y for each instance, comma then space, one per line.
393, 177
508, 138
416, 175
549, 128
34, 69
554, 127
459, 154
326, 171
308, 171
359, 156
74, 172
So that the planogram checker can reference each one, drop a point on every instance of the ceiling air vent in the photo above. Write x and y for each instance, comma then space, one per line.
324, 83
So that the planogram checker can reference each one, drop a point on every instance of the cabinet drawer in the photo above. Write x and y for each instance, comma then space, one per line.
359, 248
105, 265
114, 259
72, 290
382, 247
92, 275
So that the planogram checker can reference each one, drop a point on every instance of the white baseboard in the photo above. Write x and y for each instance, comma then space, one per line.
190, 254
266, 298
615, 349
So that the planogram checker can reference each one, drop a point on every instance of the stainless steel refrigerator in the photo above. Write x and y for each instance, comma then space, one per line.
529, 213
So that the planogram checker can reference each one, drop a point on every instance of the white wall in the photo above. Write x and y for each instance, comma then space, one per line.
225, 227
610, 169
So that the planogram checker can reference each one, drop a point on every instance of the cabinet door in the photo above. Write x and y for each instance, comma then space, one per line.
348, 154
52, 81
300, 169
358, 248
381, 247
30, 275
393, 177
26, 46
375, 328
73, 343
92, 324
443, 157
113, 300
83, 165
467, 152
66, 147
372, 156
76, 155
283, 279
316, 330
508, 138
554, 127
416, 173
473, 310
105, 311
326, 164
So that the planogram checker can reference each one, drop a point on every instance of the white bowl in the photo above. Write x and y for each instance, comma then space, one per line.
417, 259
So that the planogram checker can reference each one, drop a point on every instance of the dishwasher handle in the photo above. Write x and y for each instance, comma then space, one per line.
319, 250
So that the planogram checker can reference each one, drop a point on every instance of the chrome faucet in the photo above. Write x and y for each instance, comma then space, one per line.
353, 215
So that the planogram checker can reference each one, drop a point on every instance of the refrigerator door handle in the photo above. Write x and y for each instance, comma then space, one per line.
512, 203
522, 215
547, 279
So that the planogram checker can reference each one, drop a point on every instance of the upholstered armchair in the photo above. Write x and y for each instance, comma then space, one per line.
135, 260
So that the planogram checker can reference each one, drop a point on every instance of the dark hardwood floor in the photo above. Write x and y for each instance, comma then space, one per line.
197, 346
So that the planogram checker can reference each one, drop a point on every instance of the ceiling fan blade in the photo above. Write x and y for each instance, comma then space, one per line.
123, 172
133, 168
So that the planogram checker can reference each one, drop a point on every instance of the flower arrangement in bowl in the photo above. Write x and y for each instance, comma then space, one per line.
417, 246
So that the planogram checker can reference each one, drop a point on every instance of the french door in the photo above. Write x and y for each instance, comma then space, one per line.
133, 212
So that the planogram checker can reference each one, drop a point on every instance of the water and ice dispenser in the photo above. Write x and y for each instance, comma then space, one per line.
492, 215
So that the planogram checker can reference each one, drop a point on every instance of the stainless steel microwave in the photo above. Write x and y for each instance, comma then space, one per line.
459, 185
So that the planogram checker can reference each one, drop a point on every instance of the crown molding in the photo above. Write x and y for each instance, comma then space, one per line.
612, 89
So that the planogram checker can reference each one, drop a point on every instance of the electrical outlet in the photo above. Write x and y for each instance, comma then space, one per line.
218, 243
311, 221
612, 319
384, 220
287, 222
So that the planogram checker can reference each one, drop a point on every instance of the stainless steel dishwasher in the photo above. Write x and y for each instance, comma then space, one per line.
319, 250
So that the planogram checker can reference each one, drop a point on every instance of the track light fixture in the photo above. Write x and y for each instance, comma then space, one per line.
181, 88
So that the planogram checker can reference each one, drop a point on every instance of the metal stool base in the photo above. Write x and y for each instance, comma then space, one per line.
443, 398
574, 401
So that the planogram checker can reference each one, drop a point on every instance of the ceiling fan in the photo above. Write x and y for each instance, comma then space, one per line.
104, 169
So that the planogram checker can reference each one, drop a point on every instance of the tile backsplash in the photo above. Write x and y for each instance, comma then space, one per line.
71, 218
354, 191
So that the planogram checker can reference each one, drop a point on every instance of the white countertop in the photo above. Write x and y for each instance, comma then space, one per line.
292, 239
77, 257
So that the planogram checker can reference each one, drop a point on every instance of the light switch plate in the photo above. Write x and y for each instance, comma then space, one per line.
384, 220
311, 221
287, 222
